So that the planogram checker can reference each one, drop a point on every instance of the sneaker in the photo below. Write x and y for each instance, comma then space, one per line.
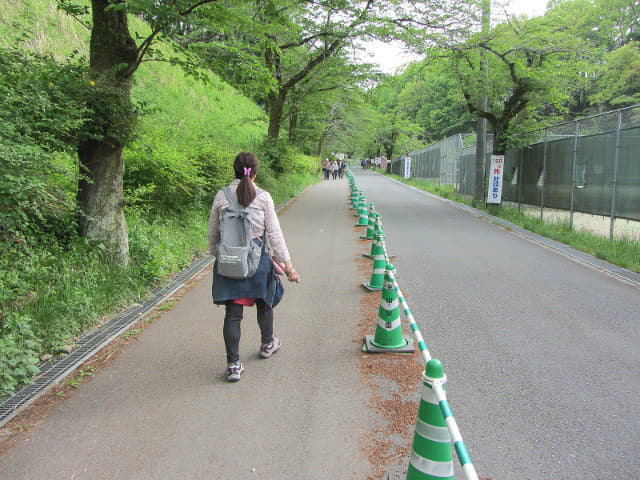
270, 348
234, 370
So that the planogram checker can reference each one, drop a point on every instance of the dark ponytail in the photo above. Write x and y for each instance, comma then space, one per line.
245, 166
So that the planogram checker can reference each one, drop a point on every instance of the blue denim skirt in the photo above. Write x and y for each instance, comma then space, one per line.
264, 284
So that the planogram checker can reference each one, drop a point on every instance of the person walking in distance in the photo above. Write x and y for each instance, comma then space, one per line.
259, 289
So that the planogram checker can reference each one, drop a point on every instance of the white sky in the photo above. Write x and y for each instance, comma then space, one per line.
391, 57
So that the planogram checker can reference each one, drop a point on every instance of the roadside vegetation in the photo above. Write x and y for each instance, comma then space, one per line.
55, 284
622, 252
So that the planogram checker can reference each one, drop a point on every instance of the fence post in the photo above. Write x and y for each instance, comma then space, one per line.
544, 173
519, 179
615, 176
573, 175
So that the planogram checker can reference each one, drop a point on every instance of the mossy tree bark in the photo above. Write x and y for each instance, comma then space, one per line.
113, 59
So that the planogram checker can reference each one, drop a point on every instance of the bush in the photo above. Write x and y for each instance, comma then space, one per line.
19, 349
277, 155
40, 118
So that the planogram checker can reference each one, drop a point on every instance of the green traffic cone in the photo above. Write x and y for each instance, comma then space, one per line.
370, 222
378, 231
388, 337
362, 213
431, 455
379, 263
361, 200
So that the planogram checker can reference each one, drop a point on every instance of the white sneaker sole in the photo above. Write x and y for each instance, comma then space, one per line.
268, 355
234, 377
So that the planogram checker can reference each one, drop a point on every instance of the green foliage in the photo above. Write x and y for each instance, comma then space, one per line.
19, 348
163, 244
432, 96
42, 120
276, 154
619, 83
303, 172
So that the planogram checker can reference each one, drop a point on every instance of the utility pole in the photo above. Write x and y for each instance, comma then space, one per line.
481, 129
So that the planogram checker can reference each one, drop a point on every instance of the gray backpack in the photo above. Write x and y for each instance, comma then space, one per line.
237, 255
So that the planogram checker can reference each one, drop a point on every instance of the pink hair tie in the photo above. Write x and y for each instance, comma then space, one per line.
247, 171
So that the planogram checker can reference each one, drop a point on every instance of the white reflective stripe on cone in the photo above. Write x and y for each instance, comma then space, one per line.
433, 433
429, 467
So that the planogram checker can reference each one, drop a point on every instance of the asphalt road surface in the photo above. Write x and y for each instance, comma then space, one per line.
541, 352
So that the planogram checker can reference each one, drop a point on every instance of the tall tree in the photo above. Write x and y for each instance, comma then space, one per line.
531, 62
114, 57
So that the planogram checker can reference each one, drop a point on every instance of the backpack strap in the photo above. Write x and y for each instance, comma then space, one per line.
233, 200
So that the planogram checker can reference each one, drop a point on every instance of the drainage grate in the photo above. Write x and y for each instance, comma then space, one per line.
54, 371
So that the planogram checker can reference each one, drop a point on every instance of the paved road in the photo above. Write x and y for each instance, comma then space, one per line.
542, 353
164, 411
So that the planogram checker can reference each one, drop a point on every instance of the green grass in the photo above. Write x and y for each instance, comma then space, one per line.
622, 252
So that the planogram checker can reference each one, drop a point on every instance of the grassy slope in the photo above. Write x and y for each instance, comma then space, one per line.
229, 118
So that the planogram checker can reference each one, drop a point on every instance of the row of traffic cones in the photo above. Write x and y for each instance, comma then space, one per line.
388, 336
431, 456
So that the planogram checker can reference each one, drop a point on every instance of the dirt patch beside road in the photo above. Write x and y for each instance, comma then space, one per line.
394, 380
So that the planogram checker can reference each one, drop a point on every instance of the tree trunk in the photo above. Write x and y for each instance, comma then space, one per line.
499, 143
101, 196
321, 143
113, 56
276, 112
293, 125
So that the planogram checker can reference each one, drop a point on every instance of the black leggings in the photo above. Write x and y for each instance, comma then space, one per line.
231, 329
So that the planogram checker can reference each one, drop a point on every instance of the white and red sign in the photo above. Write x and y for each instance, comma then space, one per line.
494, 193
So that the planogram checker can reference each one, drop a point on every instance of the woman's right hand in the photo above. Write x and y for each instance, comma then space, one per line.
291, 273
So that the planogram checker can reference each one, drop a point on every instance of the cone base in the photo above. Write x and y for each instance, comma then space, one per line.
361, 225
364, 237
369, 288
367, 255
368, 346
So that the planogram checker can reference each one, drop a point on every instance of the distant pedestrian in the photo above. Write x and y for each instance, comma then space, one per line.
326, 168
260, 289
334, 169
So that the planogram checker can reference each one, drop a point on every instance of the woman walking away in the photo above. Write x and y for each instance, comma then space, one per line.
259, 289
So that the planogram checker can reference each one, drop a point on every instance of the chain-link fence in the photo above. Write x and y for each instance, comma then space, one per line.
589, 166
